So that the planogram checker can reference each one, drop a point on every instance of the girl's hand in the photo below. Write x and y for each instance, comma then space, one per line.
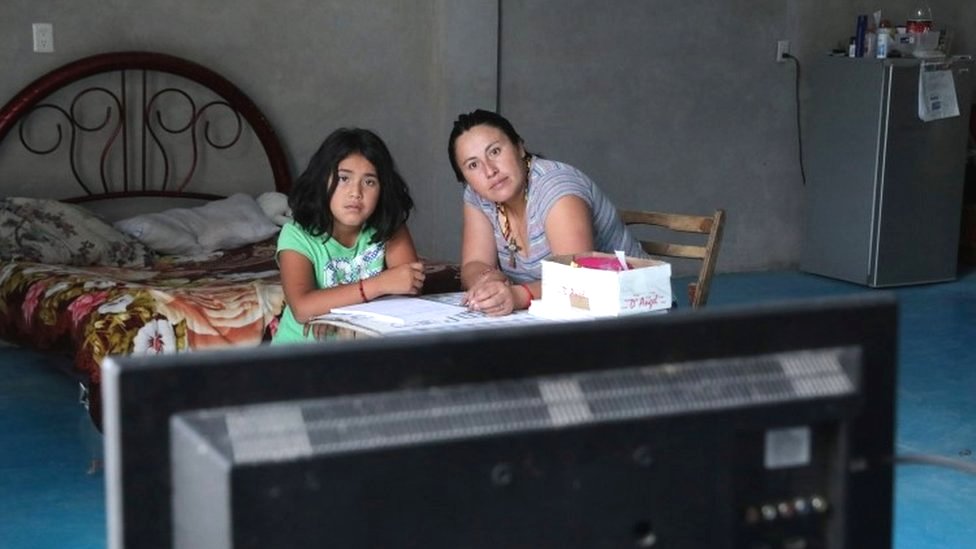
490, 296
405, 279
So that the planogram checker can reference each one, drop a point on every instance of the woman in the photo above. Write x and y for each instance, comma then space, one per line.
518, 210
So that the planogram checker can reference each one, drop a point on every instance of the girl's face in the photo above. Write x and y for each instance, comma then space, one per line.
490, 162
357, 191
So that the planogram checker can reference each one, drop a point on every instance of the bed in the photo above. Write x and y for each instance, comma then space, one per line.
136, 137
140, 199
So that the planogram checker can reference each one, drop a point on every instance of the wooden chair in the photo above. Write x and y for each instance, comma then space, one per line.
710, 226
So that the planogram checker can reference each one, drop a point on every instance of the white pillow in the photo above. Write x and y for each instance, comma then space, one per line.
275, 206
219, 225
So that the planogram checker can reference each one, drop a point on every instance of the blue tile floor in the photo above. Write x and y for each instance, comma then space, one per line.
49, 499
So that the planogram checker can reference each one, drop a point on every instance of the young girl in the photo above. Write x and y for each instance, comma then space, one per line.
349, 241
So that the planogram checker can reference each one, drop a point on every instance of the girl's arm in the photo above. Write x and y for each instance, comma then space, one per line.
400, 248
307, 301
404, 273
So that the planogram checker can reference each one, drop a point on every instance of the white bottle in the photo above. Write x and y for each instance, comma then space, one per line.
882, 49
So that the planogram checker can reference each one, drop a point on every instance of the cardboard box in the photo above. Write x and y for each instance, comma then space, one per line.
646, 287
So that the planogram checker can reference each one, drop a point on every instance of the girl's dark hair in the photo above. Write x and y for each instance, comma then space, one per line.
465, 122
312, 192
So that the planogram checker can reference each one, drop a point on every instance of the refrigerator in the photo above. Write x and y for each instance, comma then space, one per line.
884, 189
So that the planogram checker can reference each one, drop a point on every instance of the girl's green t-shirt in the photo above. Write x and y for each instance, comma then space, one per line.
333, 264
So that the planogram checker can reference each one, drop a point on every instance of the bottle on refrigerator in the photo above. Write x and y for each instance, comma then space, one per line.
860, 35
884, 39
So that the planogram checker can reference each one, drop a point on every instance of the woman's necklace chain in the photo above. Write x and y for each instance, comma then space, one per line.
512, 244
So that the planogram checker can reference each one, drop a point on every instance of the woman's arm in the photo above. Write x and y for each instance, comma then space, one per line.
479, 258
569, 230
569, 226
489, 290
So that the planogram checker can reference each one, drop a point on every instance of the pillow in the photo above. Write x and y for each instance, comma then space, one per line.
49, 231
275, 206
219, 225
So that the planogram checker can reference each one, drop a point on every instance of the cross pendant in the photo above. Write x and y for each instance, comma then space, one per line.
513, 248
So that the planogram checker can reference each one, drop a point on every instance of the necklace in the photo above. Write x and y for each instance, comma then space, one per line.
511, 243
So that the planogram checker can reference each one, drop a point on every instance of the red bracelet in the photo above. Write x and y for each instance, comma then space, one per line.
362, 292
528, 291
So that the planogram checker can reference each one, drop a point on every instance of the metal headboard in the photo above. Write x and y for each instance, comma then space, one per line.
138, 127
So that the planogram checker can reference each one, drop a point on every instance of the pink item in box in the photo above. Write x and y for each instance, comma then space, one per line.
602, 263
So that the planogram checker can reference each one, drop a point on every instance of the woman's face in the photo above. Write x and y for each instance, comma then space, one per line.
357, 191
490, 162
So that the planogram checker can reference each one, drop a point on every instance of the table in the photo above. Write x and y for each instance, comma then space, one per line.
354, 326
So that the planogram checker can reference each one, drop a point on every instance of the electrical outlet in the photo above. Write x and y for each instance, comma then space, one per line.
43, 37
782, 49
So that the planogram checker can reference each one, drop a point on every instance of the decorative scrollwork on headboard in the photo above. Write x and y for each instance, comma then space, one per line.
57, 144
191, 126
75, 125
147, 123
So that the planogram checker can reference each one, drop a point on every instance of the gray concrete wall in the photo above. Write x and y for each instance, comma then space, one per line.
674, 105
662, 113
679, 105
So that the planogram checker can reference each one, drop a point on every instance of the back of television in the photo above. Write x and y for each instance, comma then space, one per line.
766, 426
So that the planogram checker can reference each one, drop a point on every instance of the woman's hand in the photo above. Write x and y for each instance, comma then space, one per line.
405, 279
490, 296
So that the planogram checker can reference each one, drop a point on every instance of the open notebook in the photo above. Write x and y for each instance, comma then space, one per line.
406, 310
411, 315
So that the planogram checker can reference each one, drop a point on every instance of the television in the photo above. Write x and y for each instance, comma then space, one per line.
768, 426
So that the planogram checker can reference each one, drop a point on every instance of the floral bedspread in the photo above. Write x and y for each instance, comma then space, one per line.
177, 305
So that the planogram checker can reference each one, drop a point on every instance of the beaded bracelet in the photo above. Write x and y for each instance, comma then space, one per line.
362, 292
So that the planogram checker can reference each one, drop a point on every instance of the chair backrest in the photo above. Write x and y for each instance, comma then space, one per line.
710, 226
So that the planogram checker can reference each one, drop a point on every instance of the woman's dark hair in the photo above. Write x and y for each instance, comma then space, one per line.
465, 122
312, 192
